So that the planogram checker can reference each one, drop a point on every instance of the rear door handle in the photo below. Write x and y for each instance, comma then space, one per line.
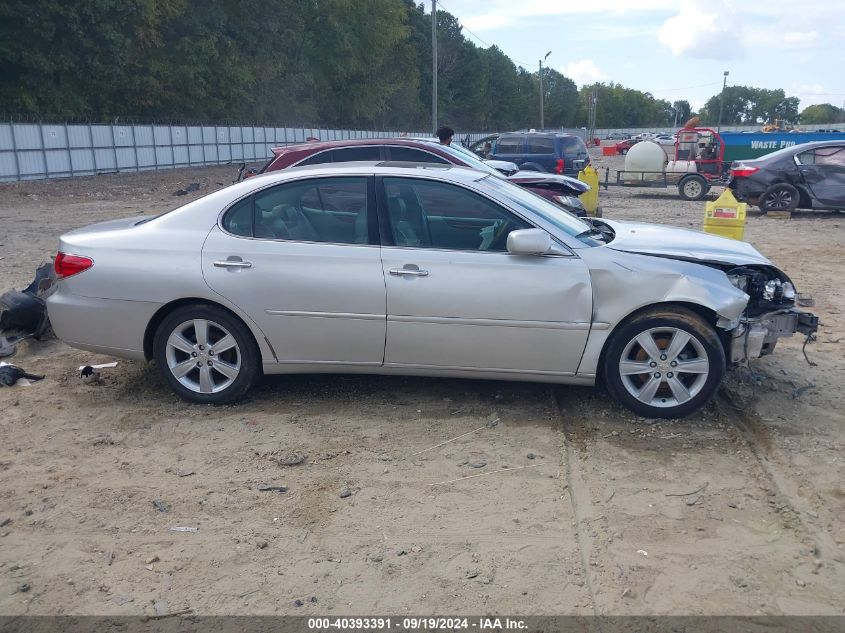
232, 263
409, 271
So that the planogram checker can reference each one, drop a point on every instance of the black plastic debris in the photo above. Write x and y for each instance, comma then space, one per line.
23, 313
11, 374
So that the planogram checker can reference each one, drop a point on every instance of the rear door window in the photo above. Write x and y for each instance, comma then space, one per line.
331, 210
351, 154
413, 155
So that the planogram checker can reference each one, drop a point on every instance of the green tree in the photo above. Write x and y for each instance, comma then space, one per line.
821, 113
745, 105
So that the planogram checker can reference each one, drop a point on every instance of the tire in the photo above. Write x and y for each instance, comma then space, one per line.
623, 151
669, 393
693, 187
208, 376
780, 197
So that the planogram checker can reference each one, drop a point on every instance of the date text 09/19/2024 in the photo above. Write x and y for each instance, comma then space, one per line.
415, 624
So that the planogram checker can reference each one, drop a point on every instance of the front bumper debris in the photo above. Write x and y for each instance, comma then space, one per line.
758, 336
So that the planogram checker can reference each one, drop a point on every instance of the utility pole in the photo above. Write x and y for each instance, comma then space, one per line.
542, 122
434, 66
721, 102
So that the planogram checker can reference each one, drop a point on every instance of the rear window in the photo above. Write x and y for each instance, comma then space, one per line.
540, 145
343, 155
509, 145
572, 145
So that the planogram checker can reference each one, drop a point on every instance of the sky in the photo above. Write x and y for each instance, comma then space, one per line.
674, 49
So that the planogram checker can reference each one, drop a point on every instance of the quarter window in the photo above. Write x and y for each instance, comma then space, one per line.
540, 145
428, 214
238, 219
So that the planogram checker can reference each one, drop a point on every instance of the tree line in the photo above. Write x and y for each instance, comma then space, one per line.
337, 63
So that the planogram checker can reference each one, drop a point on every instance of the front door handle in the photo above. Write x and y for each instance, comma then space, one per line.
416, 272
232, 263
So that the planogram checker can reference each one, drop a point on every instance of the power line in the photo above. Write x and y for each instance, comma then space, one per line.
486, 43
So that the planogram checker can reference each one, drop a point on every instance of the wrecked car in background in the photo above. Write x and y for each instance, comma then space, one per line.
418, 270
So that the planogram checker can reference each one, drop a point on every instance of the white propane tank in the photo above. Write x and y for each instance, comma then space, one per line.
645, 156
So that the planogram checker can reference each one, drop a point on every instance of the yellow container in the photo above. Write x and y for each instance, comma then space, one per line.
590, 199
725, 216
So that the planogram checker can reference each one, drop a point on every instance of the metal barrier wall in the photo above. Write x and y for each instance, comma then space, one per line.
32, 151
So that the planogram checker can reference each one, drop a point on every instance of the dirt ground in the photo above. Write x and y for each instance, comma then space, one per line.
577, 507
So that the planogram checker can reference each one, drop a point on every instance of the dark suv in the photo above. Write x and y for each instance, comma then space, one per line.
549, 152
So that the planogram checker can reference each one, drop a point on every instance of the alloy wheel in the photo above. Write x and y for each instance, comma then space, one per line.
664, 367
778, 199
203, 356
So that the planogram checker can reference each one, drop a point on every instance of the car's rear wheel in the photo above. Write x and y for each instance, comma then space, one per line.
693, 187
206, 354
779, 197
664, 363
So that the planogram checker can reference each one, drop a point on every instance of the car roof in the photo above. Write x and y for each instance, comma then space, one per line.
543, 134
453, 173
321, 145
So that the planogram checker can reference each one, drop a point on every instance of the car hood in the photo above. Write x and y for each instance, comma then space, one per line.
536, 177
676, 243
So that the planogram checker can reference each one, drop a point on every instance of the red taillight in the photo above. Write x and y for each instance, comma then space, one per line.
559, 166
743, 171
69, 265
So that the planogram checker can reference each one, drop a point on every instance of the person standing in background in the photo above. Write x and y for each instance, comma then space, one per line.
445, 135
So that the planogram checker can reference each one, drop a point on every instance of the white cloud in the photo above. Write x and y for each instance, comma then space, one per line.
706, 29
584, 71
811, 94
499, 13
798, 38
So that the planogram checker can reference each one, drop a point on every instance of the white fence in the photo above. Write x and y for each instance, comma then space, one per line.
31, 151
603, 133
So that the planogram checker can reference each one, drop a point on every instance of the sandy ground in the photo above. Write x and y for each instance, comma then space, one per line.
582, 508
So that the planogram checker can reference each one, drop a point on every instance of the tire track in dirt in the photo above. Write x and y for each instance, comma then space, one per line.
757, 437
579, 497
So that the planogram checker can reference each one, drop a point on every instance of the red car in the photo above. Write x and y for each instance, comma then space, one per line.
562, 190
622, 147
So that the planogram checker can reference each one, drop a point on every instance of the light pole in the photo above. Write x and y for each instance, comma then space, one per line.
542, 122
721, 102
434, 67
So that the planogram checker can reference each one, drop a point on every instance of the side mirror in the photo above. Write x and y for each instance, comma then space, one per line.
529, 242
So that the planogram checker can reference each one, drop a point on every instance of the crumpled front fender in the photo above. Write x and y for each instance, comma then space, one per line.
624, 283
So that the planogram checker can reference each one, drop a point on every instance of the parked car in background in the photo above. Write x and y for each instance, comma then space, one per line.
622, 147
550, 152
430, 270
615, 136
562, 190
663, 139
806, 176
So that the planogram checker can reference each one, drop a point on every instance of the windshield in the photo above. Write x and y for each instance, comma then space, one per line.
469, 158
525, 200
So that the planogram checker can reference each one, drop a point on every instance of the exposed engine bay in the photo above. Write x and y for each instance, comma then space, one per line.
769, 315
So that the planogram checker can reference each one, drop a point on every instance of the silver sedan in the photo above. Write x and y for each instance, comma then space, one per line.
423, 270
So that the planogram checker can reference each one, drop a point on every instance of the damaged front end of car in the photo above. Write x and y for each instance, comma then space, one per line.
769, 315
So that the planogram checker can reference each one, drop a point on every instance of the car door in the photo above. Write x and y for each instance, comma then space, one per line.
302, 259
457, 299
823, 170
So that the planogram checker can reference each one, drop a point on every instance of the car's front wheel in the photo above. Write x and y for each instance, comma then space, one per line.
206, 354
664, 363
